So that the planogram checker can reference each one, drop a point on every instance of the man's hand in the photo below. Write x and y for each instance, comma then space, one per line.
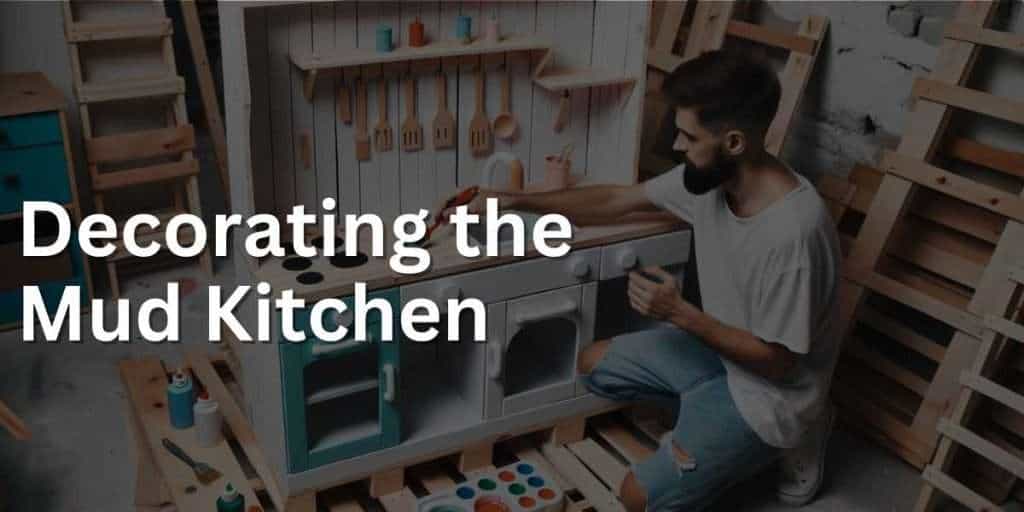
477, 205
659, 298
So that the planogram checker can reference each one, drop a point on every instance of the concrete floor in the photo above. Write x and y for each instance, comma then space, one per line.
81, 459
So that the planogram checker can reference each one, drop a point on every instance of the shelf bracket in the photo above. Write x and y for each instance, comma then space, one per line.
308, 83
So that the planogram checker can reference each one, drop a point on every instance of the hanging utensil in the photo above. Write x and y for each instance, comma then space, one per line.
444, 123
505, 125
562, 118
361, 135
412, 132
344, 103
382, 132
480, 127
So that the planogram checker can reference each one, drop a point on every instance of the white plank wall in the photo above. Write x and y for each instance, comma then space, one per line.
604, 124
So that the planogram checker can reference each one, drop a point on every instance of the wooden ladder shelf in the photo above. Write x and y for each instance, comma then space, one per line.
113, 93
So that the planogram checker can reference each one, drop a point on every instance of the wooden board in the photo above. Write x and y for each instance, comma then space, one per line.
26, 93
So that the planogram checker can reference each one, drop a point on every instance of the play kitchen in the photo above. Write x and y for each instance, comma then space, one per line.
404, 105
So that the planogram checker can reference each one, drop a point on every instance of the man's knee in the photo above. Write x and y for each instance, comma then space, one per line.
632, 494
592, 356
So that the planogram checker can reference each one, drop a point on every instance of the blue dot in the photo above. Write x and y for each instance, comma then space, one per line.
465, 493
535, 481
524, 469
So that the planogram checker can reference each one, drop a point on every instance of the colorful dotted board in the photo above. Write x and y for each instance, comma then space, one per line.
518, 487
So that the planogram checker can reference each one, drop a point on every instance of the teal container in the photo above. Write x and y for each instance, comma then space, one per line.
180, 395
464, 29
230, 500
384, 39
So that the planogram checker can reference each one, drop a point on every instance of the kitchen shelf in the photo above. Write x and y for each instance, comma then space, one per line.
561, 80
311, 63
341, 390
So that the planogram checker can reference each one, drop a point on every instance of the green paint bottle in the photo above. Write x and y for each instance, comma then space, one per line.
231, 500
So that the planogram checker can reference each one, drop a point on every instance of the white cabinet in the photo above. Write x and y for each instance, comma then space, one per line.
662, 250
533, 361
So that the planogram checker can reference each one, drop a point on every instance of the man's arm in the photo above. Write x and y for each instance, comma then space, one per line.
596, 204
661, 300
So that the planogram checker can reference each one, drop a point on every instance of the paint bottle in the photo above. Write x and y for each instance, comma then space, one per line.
416, 36
464, 29
208, 420
384, 38
179, 400
230, 500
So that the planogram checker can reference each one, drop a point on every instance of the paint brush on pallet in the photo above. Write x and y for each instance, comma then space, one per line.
204, 473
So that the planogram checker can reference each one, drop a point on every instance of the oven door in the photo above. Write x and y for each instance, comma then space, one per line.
534, 362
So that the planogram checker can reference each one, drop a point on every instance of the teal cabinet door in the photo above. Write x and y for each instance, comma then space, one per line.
37, 173
30, 130
340, 399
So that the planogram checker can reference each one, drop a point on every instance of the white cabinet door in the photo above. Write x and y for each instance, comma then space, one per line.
535, 361
662, 250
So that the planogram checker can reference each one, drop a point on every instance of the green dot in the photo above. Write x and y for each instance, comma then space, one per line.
516, 489
487, 484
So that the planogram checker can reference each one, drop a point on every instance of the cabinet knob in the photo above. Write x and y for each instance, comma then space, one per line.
579, 268
627, 259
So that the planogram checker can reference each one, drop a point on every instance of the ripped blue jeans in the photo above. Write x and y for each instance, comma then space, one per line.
672, 368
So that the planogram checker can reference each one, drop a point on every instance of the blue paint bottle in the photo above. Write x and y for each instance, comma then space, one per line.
464, 29
384, 39
180, 396
231, 500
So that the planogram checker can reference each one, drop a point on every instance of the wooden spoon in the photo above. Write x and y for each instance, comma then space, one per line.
505, 125
412, 132
480, 127
444, 123
382, 131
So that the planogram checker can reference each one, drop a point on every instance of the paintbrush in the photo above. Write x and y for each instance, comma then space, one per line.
204, 473
460, 199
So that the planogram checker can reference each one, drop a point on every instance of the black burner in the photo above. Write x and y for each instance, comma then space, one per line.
342, 261
310, 277
296, 264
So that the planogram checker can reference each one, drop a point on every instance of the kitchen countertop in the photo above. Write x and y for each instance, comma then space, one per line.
445, 259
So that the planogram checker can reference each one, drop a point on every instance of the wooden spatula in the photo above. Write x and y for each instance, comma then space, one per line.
412, 132
344, 103
382, 132
480, 126
362, 136
444, 123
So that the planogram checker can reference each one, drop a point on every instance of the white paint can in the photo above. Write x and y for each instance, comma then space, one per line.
208, 421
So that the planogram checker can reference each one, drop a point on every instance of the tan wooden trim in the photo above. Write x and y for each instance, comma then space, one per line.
139, 145
969, 99
1009, 162
996, 392
984, 36
901, 333
85, 32
982, 446
131, 89
806, 45
603, 464
1009, 330
794, 78
151, 174
989, 198
962, 493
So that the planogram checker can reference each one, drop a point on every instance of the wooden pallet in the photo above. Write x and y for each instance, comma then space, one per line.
933, 245
589, 457
712, 23
132, 107
978, 385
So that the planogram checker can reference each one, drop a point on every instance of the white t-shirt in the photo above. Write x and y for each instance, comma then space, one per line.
775, 274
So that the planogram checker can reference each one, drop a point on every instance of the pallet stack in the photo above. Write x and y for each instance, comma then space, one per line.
712, 22
929, 263
132, 108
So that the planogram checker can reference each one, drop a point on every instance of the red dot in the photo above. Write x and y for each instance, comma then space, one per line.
546, 493
527, 502
506, 476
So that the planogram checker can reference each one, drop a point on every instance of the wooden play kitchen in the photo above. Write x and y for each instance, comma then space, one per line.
332, 413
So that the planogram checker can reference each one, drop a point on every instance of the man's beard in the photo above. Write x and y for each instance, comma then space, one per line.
701, 180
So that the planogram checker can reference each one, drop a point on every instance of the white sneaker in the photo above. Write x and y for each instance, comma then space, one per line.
802, 468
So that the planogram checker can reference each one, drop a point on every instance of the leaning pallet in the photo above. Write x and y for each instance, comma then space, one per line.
133, 113
978, 384
712, 23
882, 400
587, 457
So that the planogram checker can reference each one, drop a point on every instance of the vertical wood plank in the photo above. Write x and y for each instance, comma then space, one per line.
261, 148
300, 37
469, 166
409, 162
346, 28
279, 78
568, 25
390, 162
324, 108
447, 160
368, 17
517, 18
422, 179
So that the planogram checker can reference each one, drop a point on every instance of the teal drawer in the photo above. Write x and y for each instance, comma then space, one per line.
30, 130
37, 173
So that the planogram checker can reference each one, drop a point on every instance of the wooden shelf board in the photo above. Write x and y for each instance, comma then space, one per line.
130, 89
351, 388
148, 28
307, 61
560, 80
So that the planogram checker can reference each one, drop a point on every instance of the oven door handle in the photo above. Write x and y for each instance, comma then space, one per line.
495, 356
564, 308
390, 391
